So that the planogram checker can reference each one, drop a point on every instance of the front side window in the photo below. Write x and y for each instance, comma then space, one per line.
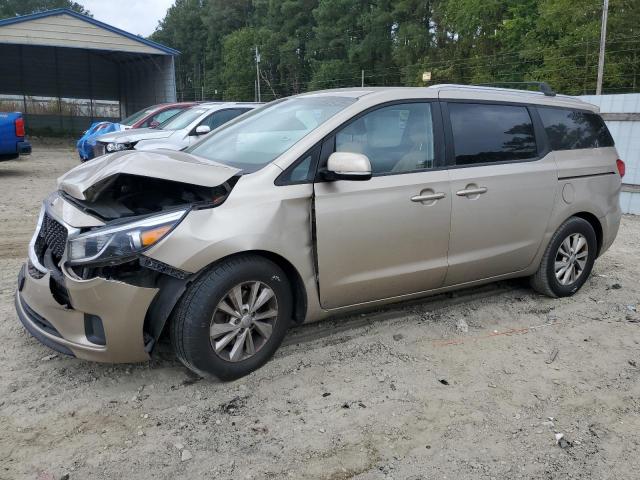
183, 120
223, 116
396, 139
571, 129
301, 172
484, 133
267, 132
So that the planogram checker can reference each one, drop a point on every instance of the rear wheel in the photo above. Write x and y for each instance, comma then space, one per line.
233, 319
568, 259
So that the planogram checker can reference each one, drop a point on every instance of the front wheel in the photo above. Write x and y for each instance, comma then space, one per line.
568, 259
233, 319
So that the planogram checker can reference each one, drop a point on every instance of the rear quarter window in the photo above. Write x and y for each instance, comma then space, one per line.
573, 129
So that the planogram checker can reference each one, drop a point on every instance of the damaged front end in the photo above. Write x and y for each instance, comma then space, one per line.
89, 251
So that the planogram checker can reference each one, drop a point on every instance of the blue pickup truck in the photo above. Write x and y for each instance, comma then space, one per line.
12, 141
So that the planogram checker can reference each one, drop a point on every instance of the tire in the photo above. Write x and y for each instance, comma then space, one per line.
545, 280
9, 156
197, 320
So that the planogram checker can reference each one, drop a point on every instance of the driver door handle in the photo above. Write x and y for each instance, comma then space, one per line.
428, 198
471, 191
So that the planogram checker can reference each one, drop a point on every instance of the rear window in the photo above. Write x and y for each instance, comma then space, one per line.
484, 133
572, 129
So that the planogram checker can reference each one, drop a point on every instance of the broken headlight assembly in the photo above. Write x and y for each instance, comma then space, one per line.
118, 243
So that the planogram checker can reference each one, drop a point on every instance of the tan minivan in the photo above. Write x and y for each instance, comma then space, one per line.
317, 205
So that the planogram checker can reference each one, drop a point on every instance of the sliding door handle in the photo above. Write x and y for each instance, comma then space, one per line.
428, 198
467, 192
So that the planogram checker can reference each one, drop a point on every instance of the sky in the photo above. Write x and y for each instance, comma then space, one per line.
135, 16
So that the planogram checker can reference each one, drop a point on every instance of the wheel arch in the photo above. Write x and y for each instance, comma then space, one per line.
172, 290
297, 285
595, 223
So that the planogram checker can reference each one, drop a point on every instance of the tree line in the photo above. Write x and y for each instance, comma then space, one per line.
314, 44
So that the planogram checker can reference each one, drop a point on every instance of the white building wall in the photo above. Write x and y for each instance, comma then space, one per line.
625, 130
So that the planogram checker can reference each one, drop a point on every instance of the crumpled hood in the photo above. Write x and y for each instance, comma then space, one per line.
163, 164
135, 135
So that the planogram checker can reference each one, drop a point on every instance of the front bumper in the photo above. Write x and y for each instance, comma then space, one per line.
120, 307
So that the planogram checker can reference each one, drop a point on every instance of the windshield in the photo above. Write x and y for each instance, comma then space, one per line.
264, 134
131, 119
183, 119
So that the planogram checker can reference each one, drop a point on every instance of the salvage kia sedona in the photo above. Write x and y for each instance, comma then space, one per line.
313, 206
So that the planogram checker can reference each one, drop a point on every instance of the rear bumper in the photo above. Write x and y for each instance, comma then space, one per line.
24, 148
610, 226
68, 327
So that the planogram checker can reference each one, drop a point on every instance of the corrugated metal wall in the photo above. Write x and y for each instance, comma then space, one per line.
622, 115
64, 75
146, 82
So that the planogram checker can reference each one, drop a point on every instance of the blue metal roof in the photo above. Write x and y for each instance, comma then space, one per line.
93, 21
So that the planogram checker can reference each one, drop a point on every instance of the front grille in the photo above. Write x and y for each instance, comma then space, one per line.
52, 237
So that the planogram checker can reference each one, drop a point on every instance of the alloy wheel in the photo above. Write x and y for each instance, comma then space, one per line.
243, 321
571, 258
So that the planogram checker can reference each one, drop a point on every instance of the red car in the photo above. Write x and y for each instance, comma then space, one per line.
154, 115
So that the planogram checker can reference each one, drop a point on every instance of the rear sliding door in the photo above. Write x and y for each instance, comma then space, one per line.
503, 184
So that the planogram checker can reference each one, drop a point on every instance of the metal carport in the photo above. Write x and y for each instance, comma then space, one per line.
64, 70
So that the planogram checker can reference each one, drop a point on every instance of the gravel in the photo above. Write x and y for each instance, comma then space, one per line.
454, 402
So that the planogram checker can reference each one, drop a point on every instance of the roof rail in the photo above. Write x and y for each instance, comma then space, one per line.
542, 86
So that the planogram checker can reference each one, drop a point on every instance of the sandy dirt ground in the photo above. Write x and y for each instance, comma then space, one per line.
473, 385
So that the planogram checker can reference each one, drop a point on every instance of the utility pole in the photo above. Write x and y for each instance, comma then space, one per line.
362, 79
258, 72
603, 41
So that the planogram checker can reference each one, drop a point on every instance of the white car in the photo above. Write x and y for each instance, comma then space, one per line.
180, 131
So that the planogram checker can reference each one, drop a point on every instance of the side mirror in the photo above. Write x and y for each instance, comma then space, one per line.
348, 166
202, 130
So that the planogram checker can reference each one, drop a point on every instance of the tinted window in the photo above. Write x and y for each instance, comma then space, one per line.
491, 133
397, 138
570, 129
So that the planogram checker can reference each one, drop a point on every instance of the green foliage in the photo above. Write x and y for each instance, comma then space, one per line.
11, 8
314, 44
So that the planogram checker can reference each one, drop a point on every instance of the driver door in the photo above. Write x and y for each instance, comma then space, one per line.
377, 239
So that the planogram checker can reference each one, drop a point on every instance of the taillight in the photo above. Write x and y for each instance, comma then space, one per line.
19, 127
621, 167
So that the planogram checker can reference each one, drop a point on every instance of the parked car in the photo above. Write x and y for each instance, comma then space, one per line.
153, 116
12, 136
318, 205
87, 142
150, 117
178, 132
